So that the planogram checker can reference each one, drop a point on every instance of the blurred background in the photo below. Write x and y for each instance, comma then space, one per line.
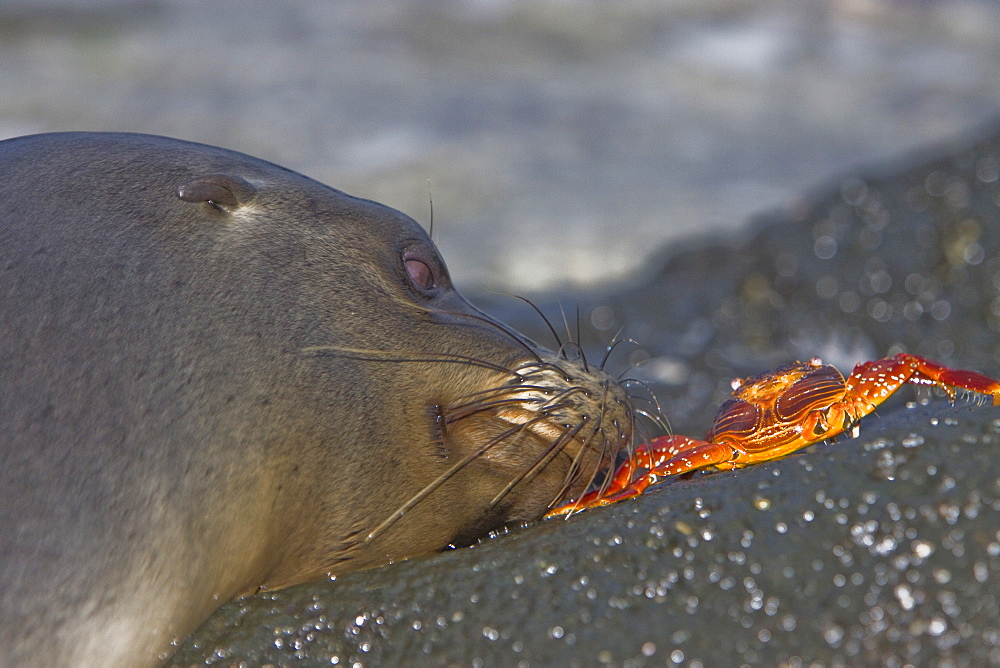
569, 147
564, 143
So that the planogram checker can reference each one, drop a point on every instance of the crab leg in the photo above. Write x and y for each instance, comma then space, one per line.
871, 383
663, 456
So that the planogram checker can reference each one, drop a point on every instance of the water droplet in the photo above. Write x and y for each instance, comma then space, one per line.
922, 548
833, 635
988, 170
935, 183
825, 247
904, 596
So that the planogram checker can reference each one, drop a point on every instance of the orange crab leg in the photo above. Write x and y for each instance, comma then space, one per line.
871, 383
662, 457
647, 466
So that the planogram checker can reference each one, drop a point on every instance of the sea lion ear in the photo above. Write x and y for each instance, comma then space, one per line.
224, 192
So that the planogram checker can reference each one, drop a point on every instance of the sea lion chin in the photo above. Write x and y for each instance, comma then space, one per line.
220, 376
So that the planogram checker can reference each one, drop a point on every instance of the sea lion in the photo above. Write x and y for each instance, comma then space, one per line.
220, 376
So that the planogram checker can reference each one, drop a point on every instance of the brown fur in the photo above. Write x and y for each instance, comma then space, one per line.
219, 376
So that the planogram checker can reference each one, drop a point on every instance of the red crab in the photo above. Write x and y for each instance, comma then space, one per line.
777, 413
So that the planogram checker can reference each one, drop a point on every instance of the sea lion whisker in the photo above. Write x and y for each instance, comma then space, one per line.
661, 421
505, 389
530, 368
580, 353
627, 383
455, 413
607, 479
621, 376
569, 332
634, 381
511, 396
431, 487
615, 342
519, 394
579, 338
430, 199
625, 442
436, 483
557, 402
477, 402
574, 469
543, 414
387, 356
570, 479
551, 405
596, 429
548, 323
508, 395
657, 416
548, 455
514, 336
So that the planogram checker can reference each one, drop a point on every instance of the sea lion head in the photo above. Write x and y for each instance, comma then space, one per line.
229, 348
222, 376
423, 422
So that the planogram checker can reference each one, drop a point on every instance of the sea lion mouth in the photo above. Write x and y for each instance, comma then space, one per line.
528, 420
547, 432
553, 424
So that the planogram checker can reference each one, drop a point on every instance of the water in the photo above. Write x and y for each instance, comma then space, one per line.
563, 142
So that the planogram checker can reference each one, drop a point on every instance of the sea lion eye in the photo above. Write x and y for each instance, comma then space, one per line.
224, 192
421, 275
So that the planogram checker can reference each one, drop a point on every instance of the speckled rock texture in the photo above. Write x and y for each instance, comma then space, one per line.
884, 549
